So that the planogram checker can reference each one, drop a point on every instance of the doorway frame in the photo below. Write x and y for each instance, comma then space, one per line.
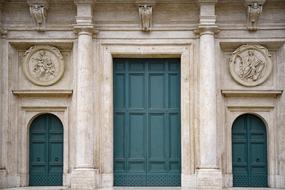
28, 116
182, 49
267, 116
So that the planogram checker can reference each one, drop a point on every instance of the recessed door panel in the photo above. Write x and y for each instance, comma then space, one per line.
147, 130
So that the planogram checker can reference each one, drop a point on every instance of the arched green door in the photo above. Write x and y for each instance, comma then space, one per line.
249, 152
46, 151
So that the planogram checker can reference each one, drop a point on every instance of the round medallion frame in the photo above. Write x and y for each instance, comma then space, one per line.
49, 65
264, 59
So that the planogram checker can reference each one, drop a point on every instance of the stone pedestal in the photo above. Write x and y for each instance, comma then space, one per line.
209, 179
2, 178
84, 179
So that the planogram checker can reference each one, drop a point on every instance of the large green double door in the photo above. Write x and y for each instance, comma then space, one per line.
249, 152
147, 122
46, 151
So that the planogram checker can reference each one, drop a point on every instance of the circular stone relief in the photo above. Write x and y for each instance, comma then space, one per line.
43, 65
250, 65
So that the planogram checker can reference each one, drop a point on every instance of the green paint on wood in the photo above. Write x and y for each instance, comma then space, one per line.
249, 152
147, 122
46, 151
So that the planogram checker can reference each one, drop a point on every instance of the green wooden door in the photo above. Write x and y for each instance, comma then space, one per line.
46, 151
249, 152
147, 122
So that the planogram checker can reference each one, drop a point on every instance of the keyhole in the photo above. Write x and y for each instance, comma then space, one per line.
56, 159
257, 160
38, 159
239, 159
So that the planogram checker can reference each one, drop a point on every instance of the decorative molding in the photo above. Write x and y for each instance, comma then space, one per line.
38, 11
250, 65
42, 93
145, 13
44, 108
207, 21
254, 10
43, 65
252, 93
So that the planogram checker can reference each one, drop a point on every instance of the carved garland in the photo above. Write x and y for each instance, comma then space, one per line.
250, 65
43, 65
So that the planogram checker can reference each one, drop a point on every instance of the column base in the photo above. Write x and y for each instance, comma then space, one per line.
3, 178
209, 179
84, 179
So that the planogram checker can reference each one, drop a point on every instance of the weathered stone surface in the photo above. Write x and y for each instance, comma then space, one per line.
226, 71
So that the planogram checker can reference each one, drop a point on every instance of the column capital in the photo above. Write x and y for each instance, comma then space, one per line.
84, 1
85, 30
208, 1
207, 29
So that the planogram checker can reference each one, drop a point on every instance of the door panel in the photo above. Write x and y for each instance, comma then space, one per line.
249, 152
147, 122
46, 151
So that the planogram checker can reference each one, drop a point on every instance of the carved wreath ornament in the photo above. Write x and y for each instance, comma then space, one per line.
43, 65
250, 65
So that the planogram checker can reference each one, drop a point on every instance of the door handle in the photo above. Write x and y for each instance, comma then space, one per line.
257, 160
38, 159
239, 159
56, 159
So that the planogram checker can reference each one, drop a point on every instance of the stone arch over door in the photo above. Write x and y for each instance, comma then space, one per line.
249, 152
46, 151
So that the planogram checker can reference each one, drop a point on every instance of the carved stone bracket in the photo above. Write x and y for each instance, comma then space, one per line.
38, 11
254, 10
145, 13
250, 65
43, 65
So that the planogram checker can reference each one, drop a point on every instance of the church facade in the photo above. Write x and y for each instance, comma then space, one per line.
106, 93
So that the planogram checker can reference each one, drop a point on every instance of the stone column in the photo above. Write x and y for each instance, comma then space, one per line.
3, 126
208, 174
84, 174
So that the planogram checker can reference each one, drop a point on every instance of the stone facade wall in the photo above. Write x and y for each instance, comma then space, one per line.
88, 34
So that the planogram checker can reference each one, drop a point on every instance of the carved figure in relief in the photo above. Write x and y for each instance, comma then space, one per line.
251, 66
44, 68
38, 13
145, 12
254, 11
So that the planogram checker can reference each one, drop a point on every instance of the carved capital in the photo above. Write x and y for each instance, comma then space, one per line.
207, 29
85, 30
84, 1
38, 11
3, 32
254, 10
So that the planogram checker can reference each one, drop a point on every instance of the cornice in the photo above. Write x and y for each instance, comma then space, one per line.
42, 93
252, 93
